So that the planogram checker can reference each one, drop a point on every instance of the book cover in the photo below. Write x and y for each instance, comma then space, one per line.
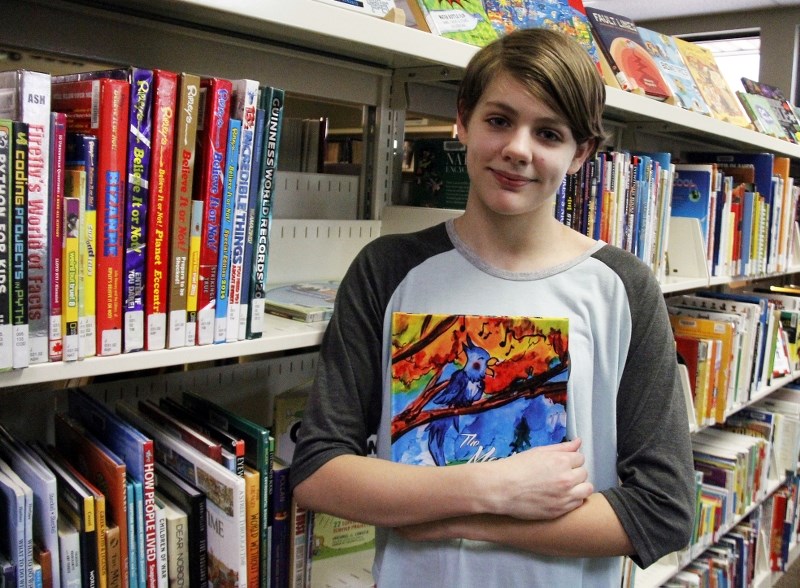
467, 388
665, 53
464, 21
26, 96
716, 91
19, 266
784, 110
109, 99
188, 105
440, 177
98, 463
195, 439
272, 101
82, 158
75, 185
763, 115
560, 15
623, 47
506, 16
212, 139
693, 197
6, 226
228, 210
159, 208
193, 502
244, 108
307, 302
58, 150
135, 450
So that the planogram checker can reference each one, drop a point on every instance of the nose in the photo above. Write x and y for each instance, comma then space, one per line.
519, 147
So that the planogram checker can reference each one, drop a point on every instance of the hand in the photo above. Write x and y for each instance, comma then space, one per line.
541, 483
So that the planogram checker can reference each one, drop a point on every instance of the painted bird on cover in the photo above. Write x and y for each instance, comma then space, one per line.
466, 386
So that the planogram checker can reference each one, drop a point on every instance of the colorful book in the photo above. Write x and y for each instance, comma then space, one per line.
562, 16
109, 99
181, 209
440, 173
281, 532
506, 16
58, 150
6, 228
716, 91
156, 290
228, 210
464, 21
212, 140
784, 111
693, 197
665, 53
76, 184
193, 272
762, 114
20, 265
514, 405
28, 96
623, 48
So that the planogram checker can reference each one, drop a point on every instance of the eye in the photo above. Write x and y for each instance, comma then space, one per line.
498, 121
550, 135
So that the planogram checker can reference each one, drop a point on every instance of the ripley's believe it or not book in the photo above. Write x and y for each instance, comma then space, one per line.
469, 388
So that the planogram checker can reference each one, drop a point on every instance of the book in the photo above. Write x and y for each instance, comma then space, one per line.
44, 560
82, 158
133, 532
244, 108
16, 525
26, 96
19, 266
98, 463
6, 237
58, 149
440, 177
193, 272
272, 101
762, 114
506, 16
212, 139
465, 21
716, 91
252, 485
113, 556
109, 98
161, 544
74, 190
693, 197
623, 48
379, 8
429, 366
228, 210
188, 104
782, 108
159, 208
69, 553
307, 302
665, 53
193, 502
281, 533
135, 450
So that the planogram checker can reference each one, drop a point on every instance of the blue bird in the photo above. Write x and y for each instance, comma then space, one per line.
465, 387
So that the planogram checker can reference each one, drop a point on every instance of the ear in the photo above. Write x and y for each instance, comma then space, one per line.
461, 129
581, 153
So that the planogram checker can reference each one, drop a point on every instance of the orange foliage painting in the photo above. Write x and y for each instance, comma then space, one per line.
471, 388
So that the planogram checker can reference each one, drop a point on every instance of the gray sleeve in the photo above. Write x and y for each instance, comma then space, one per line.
655, 501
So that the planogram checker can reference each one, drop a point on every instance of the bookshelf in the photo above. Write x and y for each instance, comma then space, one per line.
322, 51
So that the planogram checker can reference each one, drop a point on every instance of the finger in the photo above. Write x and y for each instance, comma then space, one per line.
572, 445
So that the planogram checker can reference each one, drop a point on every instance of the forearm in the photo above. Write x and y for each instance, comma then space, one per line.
591, 530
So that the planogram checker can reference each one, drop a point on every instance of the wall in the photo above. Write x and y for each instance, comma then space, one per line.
778, 38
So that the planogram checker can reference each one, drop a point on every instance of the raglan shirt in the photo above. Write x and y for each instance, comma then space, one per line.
624, 398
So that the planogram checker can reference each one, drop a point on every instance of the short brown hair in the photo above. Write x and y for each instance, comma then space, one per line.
554, 68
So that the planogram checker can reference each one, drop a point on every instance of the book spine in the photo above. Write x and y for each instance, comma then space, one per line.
281, 534
140, 116
35, 105
272, 101
19, 277
226, 232
250, 223
159, 208
113, 546
87, 302
213, 143
181, 209
193, 272
252, 513
71, 268
245, 103
58, 149
133, 549
6, 338
163, 557
69, 553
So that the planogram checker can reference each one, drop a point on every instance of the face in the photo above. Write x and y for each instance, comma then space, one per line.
518, 150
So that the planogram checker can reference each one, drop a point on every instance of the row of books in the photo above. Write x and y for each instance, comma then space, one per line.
142, 218
630, 57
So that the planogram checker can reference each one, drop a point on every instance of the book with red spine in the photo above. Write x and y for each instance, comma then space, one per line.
212, 141
159, 207
181, 208
28, 94
58, 150
100, 107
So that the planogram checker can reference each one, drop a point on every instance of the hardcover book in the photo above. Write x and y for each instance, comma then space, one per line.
469, 388
783, 108
464, 21
623, 47
763, 114
716, 91
506, 15
58, 151
562, 16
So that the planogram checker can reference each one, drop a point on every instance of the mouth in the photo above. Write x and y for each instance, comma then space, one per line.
511, 180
